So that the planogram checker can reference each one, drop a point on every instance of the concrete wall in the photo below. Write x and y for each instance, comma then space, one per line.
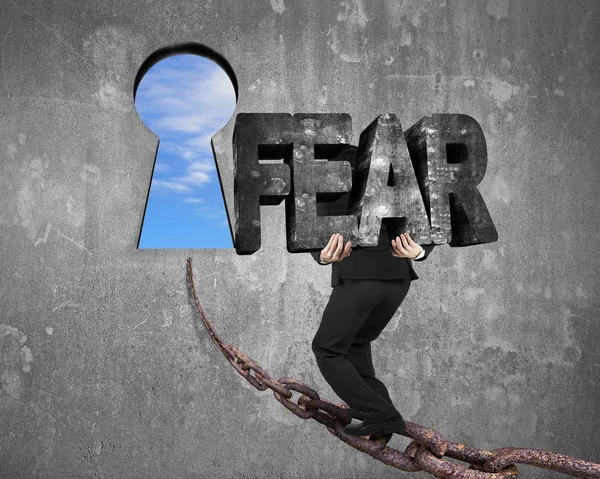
102, 373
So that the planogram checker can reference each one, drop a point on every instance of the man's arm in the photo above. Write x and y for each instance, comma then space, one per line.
428, 248
404, 247
334, 251
316, 256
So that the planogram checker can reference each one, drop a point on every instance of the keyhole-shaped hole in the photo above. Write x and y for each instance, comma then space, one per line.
185, 99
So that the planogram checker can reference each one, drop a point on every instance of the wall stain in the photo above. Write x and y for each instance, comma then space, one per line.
15, 361
498, 8
278, 6
346, 37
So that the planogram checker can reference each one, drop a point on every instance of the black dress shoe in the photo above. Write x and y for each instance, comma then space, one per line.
355, 414
388, 426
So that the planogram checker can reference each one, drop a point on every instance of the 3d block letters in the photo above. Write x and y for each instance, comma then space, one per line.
423, 181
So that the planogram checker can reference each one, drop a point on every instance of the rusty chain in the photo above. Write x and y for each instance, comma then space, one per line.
428, 447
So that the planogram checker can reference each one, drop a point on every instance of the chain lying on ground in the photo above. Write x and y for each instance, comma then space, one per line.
424, 453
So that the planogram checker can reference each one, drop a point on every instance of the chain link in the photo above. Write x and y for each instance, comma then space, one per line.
424, 453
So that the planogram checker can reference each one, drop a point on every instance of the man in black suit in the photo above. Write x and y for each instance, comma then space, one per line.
368, 287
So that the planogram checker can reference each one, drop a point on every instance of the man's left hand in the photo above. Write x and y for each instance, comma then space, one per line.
404, 247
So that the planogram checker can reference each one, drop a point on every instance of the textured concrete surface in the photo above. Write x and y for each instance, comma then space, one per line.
102, 374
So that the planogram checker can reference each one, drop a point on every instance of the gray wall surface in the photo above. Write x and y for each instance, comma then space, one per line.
102, 372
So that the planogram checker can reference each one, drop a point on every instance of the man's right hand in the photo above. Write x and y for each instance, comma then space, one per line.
335, 250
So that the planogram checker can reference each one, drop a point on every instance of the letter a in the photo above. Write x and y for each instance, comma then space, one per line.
385, 185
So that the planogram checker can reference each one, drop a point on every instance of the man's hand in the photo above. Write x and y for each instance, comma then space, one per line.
335, 250
404, 247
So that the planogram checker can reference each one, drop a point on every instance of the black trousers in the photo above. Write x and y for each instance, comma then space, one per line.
356, 314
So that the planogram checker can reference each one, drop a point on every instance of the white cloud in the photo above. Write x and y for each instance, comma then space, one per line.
201, 166
201, 142
161, 167
216, 90
198, 99
193, 200
176, 186
197, 174
189, 155
176, 149
196, 178
188, 123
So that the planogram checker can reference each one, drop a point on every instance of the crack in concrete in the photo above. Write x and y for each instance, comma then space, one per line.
50, 226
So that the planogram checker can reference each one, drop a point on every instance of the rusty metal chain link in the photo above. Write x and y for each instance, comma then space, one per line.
428, 447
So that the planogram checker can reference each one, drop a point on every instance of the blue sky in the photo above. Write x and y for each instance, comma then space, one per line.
185, 100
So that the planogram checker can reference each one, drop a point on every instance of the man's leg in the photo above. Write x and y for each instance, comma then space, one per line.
349, 307
361, 359
378, 319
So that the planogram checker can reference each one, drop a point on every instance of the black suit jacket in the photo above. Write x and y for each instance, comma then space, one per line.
376, 262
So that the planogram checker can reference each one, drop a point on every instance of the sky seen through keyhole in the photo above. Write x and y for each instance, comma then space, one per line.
185, 100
